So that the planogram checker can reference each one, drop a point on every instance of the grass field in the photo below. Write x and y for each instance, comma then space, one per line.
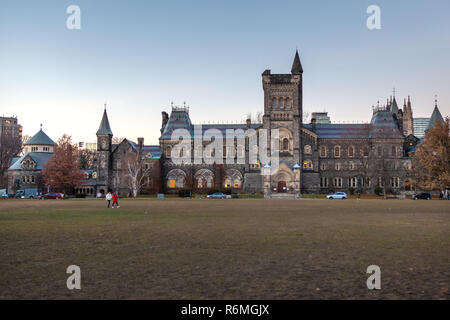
225, 249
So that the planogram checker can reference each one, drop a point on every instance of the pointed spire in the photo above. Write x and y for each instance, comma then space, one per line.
297, 65
394, 107
104, 125
436, 116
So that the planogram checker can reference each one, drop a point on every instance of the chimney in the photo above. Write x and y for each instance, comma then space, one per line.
249, 123
140, 145
165, 119
313, 124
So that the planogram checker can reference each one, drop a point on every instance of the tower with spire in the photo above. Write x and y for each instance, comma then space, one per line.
104, 148
283, 110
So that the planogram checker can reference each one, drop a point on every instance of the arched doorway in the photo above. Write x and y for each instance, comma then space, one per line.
282, 187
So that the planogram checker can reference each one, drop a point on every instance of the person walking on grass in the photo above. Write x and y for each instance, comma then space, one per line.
115, 198
108, 198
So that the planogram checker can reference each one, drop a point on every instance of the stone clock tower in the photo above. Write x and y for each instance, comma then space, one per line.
283, 107
104, 148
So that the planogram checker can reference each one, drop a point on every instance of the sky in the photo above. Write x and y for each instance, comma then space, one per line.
139, 56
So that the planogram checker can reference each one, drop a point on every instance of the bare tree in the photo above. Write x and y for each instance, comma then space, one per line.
86, 159
133, 172
117, 140
10, 146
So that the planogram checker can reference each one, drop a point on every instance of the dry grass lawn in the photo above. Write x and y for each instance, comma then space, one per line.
225, 249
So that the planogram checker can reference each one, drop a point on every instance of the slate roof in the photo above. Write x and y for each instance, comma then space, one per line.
13, 160
39, 157
155, 151
435, 117
179, 119
224, 127
40, 138
341, 131
104, 125
384, 126
297, 65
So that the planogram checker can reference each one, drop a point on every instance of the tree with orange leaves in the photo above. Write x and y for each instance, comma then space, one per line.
61, 172
431, 160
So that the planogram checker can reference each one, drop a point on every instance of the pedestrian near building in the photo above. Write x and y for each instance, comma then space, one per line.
115, 198
108, 198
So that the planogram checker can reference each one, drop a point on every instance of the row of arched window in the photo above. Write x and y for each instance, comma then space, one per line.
356, 182
281, 103
238, 151
28, 179
337, 151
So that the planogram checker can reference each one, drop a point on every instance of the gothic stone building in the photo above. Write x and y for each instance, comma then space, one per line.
315, 157
112, 161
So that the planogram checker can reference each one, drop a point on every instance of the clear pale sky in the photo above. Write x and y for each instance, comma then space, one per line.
138, 56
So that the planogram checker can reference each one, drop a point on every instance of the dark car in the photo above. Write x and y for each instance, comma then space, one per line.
422, 195
50, 196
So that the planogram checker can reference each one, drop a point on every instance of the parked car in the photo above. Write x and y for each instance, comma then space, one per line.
337, 195
51, 195
217, 195
5, 195
26, 193
422, 195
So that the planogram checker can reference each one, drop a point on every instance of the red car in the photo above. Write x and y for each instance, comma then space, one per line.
50, 196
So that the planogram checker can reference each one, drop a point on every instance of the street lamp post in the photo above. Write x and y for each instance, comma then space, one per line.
296, 168
267, 175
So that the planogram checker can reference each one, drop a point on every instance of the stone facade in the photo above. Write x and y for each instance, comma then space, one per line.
315, 157
113, 163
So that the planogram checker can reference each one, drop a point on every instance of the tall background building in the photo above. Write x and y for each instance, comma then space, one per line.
10, 126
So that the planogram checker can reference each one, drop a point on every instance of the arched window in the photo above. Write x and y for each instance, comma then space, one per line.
323, 151
365, 151
337, 151
168, 151
337, 182
351, 151
285, 144
395, 182
353, 182
307, 149
204, 178
176, 179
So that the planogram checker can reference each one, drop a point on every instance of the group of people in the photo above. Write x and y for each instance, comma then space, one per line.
115, 200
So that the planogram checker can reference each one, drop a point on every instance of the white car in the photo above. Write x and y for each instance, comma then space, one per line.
337, 195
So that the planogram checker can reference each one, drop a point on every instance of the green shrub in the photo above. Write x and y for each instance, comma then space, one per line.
378, 191
183, 193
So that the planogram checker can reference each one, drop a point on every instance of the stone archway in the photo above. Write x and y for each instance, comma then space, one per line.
283, 180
